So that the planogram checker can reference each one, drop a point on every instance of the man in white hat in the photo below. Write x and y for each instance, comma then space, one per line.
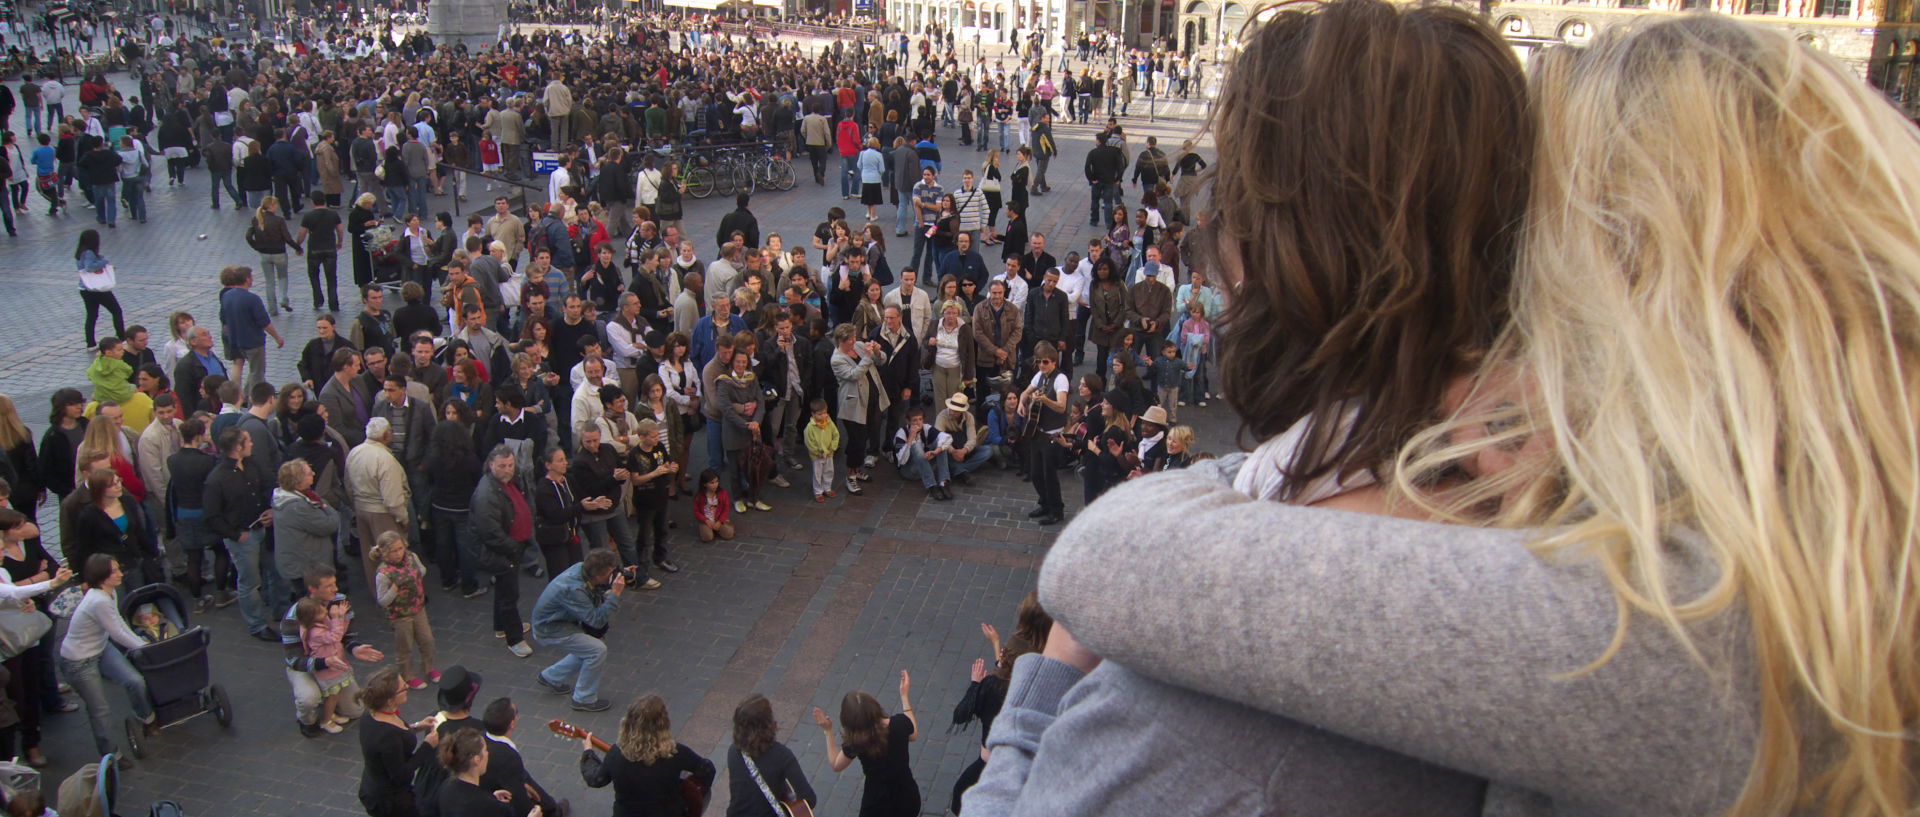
969, 450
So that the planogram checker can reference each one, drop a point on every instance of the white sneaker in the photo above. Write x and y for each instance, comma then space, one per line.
739, 506
520, 650
780, 481
332, 728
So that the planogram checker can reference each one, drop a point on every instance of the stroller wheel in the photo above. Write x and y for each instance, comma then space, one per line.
136, 738
222, 707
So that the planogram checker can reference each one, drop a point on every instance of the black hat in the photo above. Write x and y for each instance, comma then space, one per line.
1121, 402
458, 687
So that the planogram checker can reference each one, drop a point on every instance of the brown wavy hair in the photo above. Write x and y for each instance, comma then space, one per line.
754, 729
1371, 175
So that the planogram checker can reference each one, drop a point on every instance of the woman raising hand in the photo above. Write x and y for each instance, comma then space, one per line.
880, 742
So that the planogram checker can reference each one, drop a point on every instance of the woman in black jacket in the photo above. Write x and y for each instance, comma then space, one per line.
66, 427
391, 752
645, 764
465, 755
556, 515
394, 180
22, 464
455, 470
440, 250
360, 219
176, 131
109, 525
255, 176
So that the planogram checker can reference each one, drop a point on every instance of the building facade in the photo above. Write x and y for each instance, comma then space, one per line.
1880, 43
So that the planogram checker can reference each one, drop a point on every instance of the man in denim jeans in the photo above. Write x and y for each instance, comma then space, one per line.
235, 509
926, 207
577, 603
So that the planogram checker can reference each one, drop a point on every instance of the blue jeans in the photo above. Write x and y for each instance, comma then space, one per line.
1105, 197
849, 175
972, 463
585, 657
106, 202
1003, 137
224, 178
33, 119
595, 533
397, 202
902, 213
1194, 389
86, 677
417, 197
456, 567
261, 587
136, 199
931, 473
716, 448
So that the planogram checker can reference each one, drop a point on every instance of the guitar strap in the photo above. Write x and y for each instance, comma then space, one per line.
753, 770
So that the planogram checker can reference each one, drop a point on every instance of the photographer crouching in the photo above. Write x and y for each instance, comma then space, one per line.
573, 614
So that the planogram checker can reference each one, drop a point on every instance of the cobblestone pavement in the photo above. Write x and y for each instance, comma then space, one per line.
810, 601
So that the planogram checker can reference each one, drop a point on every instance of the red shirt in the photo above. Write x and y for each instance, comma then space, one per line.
522, 530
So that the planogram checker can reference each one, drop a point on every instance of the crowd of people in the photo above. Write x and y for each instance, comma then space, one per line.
521, 394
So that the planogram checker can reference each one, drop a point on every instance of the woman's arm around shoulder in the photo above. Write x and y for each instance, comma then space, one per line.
1397, 632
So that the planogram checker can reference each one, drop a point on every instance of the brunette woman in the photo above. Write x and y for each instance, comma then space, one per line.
682, 380
879, 741
655, 406
66, 428
27, 583
112, 524
1107, 306
758, 764
645, 764
464, 753
455, 471
88, 657
390, 749
288, 408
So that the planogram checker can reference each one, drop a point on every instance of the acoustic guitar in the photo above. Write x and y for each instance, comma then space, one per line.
692, 790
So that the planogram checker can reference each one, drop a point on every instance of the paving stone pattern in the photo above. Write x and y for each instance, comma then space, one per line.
809, 602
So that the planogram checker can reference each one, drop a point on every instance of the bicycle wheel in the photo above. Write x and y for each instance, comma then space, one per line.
743, 177
724, 181
700, 183
780, 173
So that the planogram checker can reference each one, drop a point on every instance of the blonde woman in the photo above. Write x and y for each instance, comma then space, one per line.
1701, 421
645, 764
268, 236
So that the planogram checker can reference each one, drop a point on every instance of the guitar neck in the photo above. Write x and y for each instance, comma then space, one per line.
571, 732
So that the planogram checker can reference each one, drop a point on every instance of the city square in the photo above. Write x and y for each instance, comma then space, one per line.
1349, 408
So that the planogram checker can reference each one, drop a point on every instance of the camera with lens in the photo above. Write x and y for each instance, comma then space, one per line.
631, 573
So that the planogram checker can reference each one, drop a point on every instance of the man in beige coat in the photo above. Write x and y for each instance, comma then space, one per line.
507, 228
509, 129
377, 486
558, 100
326, 160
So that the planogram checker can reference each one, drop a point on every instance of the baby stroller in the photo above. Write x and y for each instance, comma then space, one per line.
175, 668
386, 245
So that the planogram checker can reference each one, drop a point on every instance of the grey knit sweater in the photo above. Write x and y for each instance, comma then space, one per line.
1293, 634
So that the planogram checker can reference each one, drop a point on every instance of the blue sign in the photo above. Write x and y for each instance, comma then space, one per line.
545, 161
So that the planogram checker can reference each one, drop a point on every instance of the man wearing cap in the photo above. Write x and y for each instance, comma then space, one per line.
1152, 305
969, 450
323, 586
573, 614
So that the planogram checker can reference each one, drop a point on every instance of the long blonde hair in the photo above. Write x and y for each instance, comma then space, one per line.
646, 734
1716, 316
12, 430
